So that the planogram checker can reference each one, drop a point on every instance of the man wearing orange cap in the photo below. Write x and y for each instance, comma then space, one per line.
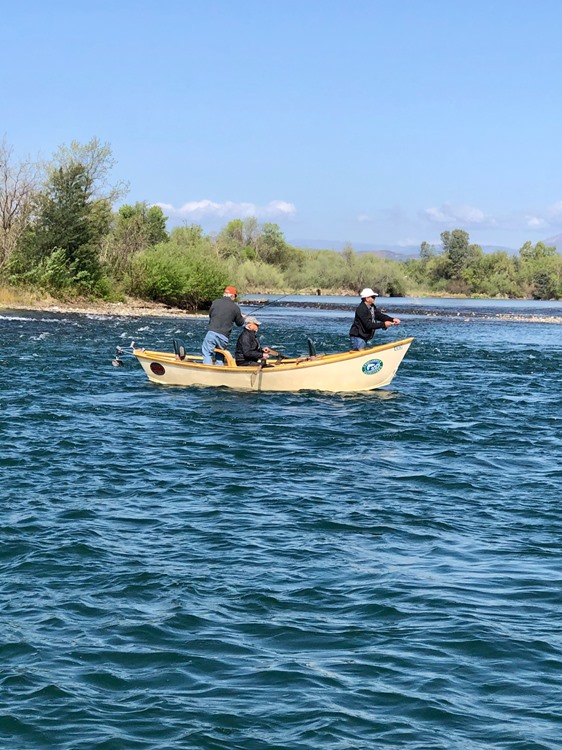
223, 314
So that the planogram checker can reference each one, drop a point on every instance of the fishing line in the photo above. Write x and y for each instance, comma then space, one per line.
312, 354
271, 302
277, 299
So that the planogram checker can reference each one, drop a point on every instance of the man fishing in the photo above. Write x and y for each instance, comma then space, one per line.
248, 350
367, 320
224, 312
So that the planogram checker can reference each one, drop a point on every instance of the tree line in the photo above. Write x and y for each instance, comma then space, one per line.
59, 233
459, 267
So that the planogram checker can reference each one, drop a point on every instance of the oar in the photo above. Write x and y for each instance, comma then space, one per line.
257, 373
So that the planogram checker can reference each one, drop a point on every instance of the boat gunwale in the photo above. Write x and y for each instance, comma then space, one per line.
294, 363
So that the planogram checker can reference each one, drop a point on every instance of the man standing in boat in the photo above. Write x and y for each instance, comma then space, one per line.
223, 314
367, 320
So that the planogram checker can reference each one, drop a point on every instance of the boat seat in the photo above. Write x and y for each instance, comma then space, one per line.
228, 358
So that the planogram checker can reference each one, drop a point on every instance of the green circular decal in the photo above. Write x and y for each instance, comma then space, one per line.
372, 366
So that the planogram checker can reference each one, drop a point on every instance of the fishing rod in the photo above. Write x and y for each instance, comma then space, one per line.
277, 299
311, 345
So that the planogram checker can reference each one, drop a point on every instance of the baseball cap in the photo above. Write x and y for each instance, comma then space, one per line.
231, 290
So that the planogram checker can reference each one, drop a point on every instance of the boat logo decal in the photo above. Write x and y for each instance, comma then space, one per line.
157, 368
372, 366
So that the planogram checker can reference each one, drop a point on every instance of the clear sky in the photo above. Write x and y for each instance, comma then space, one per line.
366, 121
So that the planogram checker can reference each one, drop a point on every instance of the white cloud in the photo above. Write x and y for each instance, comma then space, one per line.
364, 218
206, 209
549, 217
535, 222
408, 242
468, 217
449, 215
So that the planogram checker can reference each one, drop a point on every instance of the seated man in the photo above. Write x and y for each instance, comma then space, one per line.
248, 349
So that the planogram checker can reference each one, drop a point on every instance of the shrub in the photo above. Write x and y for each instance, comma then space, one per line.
175, 275
253, 276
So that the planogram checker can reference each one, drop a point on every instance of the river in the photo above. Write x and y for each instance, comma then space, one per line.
198, 568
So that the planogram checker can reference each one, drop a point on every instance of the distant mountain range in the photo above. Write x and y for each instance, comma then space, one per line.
394, 252
400, 252
556, 241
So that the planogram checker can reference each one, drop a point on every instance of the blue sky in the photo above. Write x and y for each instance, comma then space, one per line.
381, 121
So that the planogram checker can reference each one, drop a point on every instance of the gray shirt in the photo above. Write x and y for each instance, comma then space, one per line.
223, 313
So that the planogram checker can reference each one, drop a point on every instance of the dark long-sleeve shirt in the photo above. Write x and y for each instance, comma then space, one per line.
223, 313
367, 320
248, 349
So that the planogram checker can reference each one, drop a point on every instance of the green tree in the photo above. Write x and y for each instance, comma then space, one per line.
545, 284
427, 251
539, 270
71, 217
231, 240
97, 162
192, 236
134, 229
177, 275
320, 268
265, 243
492, 275
18, 188
460, 253
255, 276
62, 212
438, 272
537, 253
69, 222
272, 248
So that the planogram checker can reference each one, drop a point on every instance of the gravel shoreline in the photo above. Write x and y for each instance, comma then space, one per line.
128, 309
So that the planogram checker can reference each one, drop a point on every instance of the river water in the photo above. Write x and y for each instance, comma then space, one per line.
213, 569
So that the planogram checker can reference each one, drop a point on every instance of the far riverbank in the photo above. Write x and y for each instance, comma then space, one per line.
463, 308
129, 308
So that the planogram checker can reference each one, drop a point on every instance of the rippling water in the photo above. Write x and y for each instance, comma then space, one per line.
212, 569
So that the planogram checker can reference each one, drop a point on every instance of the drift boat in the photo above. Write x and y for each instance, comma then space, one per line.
347, 372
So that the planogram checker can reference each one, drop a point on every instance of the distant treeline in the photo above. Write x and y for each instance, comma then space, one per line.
60, 234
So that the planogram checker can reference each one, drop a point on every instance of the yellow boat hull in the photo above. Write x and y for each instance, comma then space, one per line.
345, 372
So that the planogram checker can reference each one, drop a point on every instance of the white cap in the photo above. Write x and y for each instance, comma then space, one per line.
368, 292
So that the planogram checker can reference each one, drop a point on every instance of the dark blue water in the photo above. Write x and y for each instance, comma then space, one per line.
212, 569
